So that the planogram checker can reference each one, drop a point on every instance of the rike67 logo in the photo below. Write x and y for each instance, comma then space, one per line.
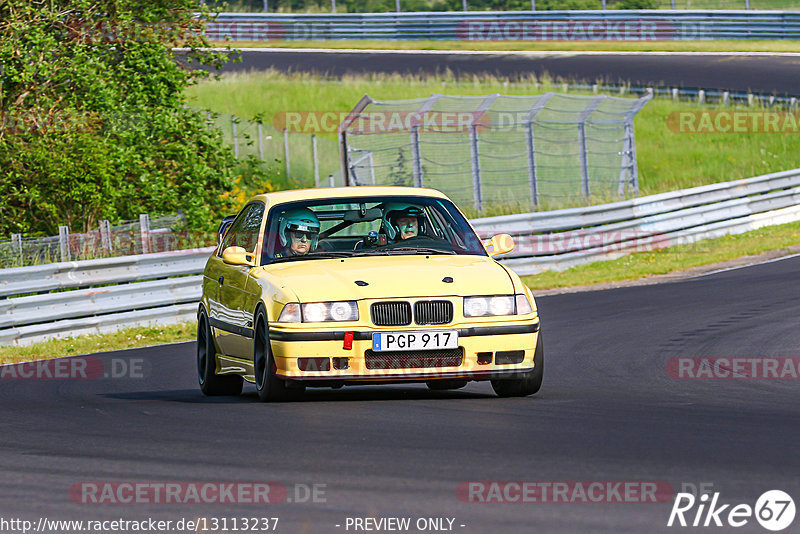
774, 510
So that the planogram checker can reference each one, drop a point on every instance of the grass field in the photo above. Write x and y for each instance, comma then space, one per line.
123, 339
738, 45
667, 160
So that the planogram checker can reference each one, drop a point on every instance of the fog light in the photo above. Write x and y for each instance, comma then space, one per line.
341, 363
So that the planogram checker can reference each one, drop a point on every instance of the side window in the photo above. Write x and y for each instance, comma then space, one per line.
244, 230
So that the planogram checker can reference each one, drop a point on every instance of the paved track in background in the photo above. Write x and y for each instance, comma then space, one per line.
607, 411
735, 72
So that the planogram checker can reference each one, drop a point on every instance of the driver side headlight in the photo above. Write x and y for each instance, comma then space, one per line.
497, 305
319, 312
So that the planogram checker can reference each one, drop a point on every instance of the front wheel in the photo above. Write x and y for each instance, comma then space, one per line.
530, 382
268, 386
211, 383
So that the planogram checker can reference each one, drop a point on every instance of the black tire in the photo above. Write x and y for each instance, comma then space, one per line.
443, 385
528, 384
211, 383
269, 387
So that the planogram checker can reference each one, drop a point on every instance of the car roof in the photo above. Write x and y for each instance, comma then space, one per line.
322, 193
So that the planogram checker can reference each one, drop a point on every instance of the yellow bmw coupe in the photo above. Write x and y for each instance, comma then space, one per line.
362, 285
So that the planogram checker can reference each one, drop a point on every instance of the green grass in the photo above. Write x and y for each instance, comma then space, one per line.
123, 339
668, 260
667, 160
732, 45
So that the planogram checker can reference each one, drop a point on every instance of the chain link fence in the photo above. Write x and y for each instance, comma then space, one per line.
306, 159
552, 148
145, 235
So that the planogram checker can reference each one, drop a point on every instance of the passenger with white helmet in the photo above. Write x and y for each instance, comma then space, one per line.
298, 231
403, 221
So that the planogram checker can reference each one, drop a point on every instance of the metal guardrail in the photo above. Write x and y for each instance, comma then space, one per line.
561, 239
155, 288
621, 25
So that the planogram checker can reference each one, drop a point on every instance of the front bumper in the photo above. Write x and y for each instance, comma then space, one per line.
481, 347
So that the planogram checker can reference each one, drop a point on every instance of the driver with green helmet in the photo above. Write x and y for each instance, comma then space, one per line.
403, 221
298, 231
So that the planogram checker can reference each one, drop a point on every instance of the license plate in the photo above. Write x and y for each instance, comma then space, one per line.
388, 341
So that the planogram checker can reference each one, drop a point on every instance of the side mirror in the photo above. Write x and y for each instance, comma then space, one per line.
238, 256
499, 244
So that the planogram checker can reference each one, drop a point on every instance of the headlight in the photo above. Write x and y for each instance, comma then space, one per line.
496, 306
319, 312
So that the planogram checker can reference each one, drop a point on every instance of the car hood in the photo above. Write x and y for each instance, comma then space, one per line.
391, 277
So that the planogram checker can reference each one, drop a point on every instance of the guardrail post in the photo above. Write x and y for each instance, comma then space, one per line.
316, 159
286, 152
144, 231
701, 96
793, 103
16, 242
209, 120
726, 98
63, 242
235, 137
260, 142
105, 235
675, 94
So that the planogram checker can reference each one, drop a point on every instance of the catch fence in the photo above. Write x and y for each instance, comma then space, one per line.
142, 236
496, 149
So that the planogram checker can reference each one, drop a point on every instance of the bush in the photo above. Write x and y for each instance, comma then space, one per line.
92, 117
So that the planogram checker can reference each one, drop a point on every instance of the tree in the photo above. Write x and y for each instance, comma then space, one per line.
93, 123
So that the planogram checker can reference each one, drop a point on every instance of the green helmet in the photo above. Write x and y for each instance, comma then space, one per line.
393, 210
300, 220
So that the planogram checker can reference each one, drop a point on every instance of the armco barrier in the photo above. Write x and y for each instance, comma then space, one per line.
618, 25
164, 288
561, 239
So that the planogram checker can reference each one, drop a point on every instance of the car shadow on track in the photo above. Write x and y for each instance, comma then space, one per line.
365, 393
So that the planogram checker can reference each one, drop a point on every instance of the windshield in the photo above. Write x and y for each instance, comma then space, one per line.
379, 226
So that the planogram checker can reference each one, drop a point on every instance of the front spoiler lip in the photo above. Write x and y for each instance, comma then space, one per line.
473, 331
416, 376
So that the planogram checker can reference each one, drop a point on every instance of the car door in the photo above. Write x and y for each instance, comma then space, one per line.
236, 301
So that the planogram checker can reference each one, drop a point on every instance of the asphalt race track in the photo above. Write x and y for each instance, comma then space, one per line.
735, 72
608, 411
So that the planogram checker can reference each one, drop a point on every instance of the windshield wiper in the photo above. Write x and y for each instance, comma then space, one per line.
417, 250
315, 255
